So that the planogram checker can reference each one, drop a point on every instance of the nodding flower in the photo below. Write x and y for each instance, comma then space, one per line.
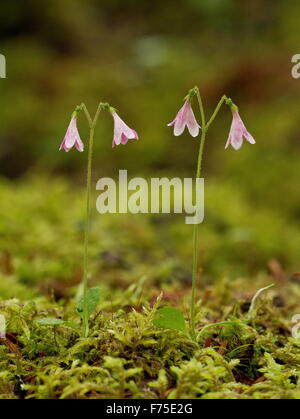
72, 138
238, 132
122, 132
185, 117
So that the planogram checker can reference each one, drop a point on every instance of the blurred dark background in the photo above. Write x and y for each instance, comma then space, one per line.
142, 57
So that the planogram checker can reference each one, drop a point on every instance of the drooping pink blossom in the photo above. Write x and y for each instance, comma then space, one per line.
185, 117
238, 132
122, 132
72, 138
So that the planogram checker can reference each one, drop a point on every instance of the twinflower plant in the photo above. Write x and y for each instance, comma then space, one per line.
186, 118
122, 133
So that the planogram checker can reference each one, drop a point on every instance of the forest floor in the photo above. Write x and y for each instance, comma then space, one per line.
140, 264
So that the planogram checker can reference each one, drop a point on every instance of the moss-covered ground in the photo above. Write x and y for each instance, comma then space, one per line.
142, 263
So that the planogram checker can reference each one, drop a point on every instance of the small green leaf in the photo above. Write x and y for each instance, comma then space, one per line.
50, 322
170, 318
93, 298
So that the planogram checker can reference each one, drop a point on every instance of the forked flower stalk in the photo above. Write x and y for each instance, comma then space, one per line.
122, 133
186, 118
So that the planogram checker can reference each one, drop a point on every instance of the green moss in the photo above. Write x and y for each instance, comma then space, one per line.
125, 355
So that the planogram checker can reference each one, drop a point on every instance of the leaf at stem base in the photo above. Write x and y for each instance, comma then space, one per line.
93, 298
170, 318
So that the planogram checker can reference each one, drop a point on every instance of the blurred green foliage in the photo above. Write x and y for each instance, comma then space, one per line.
41, 242
142, 57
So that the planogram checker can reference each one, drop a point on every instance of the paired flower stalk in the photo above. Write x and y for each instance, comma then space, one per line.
186, 118
122, 133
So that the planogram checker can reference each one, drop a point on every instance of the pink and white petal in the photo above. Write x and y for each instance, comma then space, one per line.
228, 141
122, 128
193, 130
117, 138
172, 123
70, 140
117, 134
179, 126
185, 110
136, 135
62, 146
79, 145
128, 131
193, 125
71, 134
237, 141
116, 118
117, 128
179, 117
124, 139
249, 137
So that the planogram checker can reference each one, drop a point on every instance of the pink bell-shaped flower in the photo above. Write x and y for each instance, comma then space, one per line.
72, 138
185, 117
122, 132
238, 132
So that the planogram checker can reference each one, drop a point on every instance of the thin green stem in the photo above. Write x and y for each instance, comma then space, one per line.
86, 235
216, 111
205, 127
92, 124
201, 107
87, 114
195, 232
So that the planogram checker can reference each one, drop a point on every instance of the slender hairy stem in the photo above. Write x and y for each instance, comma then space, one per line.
195, 232
86, 234
202, 113
216, 111
87, 114
92, 124
205, 127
